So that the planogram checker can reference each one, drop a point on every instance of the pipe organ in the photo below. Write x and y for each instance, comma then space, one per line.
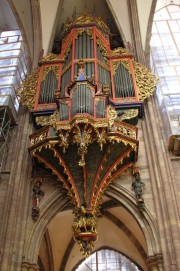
83, 99
87, 59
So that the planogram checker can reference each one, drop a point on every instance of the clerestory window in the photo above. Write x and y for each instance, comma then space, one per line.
13, 63
165, 61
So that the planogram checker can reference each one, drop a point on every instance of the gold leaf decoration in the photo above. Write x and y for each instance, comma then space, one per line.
53, 68
145, 80
27, 90
125, 63
80, 31
47, 120
129, 114
50, 57
117, 52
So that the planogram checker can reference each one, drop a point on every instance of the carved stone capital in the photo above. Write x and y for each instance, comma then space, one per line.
25, 266
154, 262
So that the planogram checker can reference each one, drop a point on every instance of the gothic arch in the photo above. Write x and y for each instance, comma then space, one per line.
58, 202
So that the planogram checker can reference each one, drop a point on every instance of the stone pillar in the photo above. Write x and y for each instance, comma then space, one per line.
135, 31
16, 198
37, 31
163, 186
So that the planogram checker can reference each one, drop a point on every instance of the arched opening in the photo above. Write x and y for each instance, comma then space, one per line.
120, 228
106, 260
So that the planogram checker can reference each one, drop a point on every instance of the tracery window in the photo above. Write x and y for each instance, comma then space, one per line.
106, 260
165, 60
13, 63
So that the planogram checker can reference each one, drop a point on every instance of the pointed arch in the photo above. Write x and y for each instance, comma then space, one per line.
58, 202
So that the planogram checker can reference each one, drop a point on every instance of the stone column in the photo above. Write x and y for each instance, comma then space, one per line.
163, 186
37, 31
16, 198
135, 31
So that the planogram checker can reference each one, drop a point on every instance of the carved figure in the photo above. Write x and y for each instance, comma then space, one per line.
138, 185
37, 192
37, 195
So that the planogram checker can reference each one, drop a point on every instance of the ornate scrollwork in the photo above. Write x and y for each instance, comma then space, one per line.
126, 129
85, 229
40, 136
118, 52
27, 90
125, 63
102, 24
112, 115
47, 120
86, 19
129, 114
53, 68
50, 57
80, 31
146, 81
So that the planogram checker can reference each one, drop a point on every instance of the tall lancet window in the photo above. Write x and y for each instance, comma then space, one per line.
106, 260
165, 60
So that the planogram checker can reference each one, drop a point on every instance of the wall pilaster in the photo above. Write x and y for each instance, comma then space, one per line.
135, 31
15, 205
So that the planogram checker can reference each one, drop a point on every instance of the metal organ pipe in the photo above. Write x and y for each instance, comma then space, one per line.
123, 83
80, 46
84, 44
48, 86
76, 48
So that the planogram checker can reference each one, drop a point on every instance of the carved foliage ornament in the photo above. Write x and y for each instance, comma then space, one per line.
145, 80
119, 52
53, 68
88, 31
27, 90
86, 19
125, 63
50, 57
